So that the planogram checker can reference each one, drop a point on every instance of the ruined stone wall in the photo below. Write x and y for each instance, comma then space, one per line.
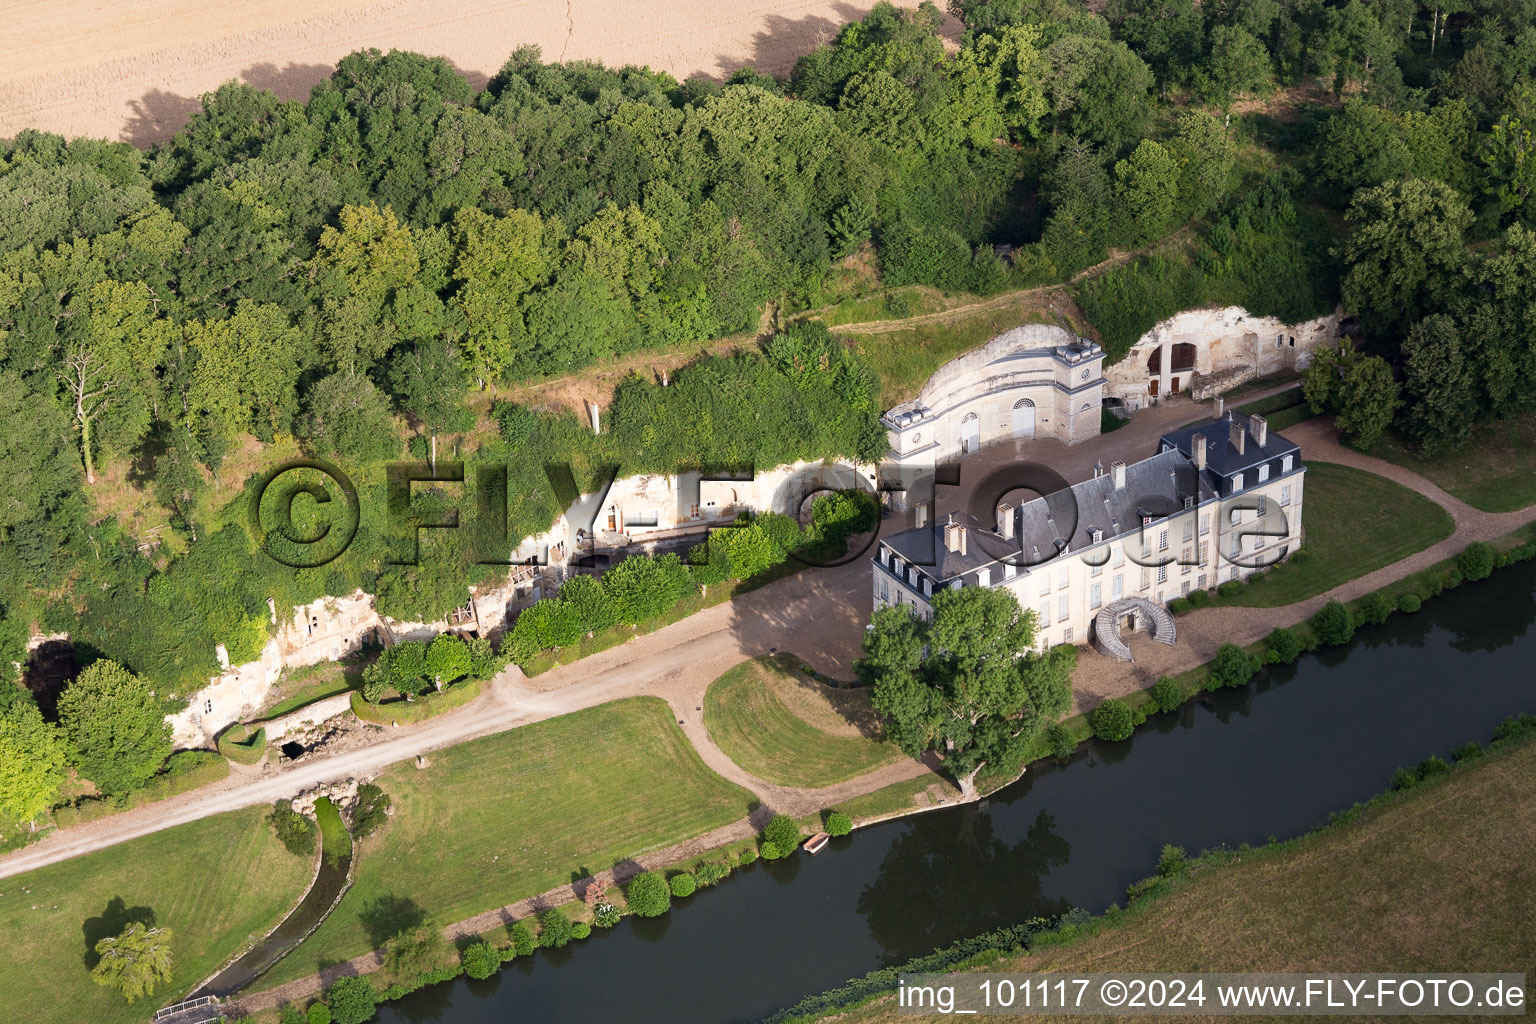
1229, 345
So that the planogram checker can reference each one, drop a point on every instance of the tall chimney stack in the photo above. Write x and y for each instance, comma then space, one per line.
1117, 474
1221, 404
1238, 436
1005, 521
951, 536
921, 514
1198, 444
962, 540
1260, 428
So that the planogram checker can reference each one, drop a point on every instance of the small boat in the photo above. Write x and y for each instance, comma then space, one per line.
816, 842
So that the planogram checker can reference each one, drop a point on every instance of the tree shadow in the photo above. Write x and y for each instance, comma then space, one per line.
388, 916
156, 116
117, 916
782, 41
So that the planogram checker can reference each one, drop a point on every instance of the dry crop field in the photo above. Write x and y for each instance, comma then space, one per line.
133, 69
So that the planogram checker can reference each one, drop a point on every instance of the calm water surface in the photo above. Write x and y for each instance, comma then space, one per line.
1273, 758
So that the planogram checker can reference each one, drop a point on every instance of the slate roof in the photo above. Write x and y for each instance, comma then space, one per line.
1221, 455
1155, 487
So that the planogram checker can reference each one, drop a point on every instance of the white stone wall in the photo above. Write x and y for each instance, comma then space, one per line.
1231, 346
307, 716
973, 400
232, 695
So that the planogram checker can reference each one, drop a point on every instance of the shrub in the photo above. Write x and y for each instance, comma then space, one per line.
1476, 560
771, 851
784, 832
352, 1000
554, 929
370, 812
1468, 752
1167, 694
318, 1013
290, 1014
648, 895
1173, 861
1282, 646
1300, 556
1454, 579
1199, 598
839, 824
415, 952
376, 681
712, 872
1179, 605
580, 930
1112, 720
481, 960
1409, 603
683, 884
523, 942
1431, 766
1332, 625
1231, 588
1232, 666
1060, 741
605, 915
295, 831
1373, 609
747, 856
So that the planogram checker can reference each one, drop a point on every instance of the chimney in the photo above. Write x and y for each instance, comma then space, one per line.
1237, 435
962, 540
1005, 521
951, 536
921, 513
1259, 426
1198, 444
1221, 403
1117, 474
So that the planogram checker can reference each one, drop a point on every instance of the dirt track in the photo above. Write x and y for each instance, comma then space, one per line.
133, 69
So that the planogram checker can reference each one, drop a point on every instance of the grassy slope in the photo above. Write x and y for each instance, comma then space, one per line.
516, 814
1356, 522
1494, 471
778, 725
1439, 879
195, 878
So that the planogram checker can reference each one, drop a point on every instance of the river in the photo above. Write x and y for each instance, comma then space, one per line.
1272, 758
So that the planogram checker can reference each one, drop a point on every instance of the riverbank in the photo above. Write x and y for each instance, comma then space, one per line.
1432, 876
867, 810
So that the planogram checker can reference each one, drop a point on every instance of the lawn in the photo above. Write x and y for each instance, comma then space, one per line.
509, 816
311, 683
786, 728
1355, 523
906, 358
195, 879
1436, 879
1494, 471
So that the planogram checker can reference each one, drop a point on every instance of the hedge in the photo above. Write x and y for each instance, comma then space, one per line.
421, 708
242, 746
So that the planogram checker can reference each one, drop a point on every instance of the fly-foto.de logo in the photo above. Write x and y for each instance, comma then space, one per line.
306, 513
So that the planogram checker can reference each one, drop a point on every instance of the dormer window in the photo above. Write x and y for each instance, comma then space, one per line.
1237, 482
1285, 464
1264, 472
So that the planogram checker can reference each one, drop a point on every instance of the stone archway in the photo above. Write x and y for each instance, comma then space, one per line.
970, 433
1141, 614
1024, 418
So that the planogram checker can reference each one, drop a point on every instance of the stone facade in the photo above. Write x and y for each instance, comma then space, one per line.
1205, 352
1217, 502
1037, 380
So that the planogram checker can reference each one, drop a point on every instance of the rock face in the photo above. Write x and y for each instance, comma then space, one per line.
1204, 352
342, 793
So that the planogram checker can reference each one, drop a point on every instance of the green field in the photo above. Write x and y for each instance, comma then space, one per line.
791, 730
509, 816
195, 879
1355, 523
1494, 471
1434, 879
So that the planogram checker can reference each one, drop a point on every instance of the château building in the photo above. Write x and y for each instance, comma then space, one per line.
1218, 501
